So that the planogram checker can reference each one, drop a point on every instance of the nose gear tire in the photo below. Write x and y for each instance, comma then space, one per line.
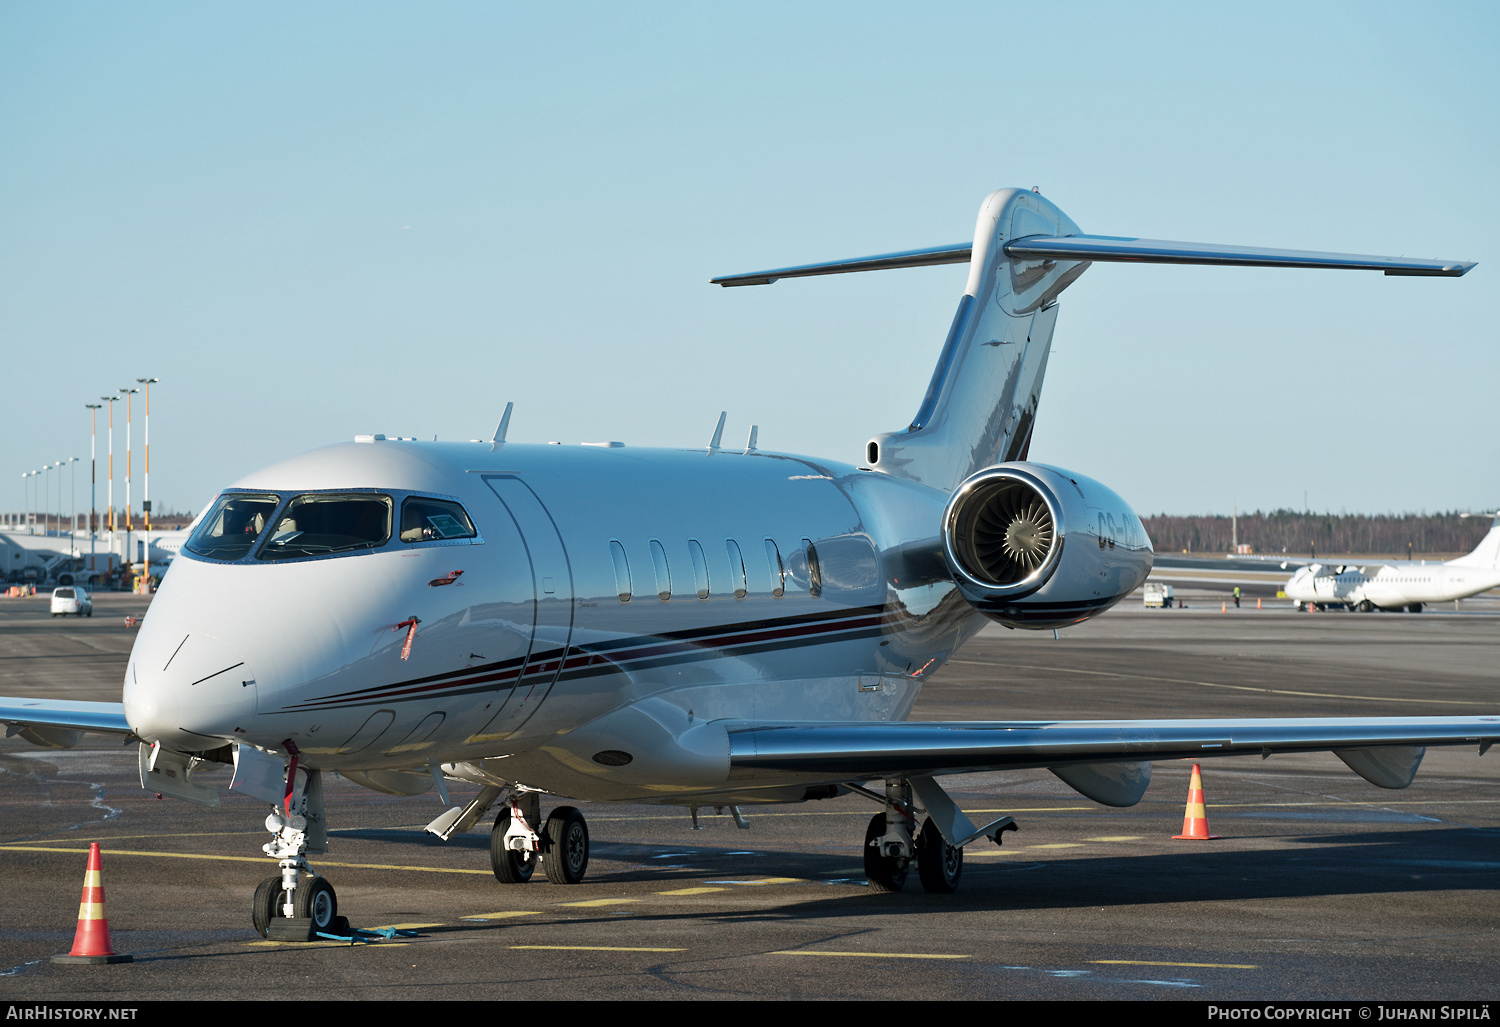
266, 906
315, 899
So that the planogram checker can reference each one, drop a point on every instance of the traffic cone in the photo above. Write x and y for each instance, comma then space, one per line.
1223, 607
1195, 817
91, 944
1257, 604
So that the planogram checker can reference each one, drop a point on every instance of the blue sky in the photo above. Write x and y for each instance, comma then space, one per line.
313, 221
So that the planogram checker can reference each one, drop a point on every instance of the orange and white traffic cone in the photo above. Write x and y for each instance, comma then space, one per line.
91, 943
1257, 604
1195, 817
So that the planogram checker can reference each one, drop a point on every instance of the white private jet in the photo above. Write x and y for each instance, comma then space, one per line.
695, 627
1402, 584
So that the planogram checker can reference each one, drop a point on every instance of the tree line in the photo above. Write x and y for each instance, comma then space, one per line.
1297, 533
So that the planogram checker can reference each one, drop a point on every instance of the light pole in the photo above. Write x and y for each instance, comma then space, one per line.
129, 516
26, 487
72, 500
93, 409
111, 400
146, 491
46, 500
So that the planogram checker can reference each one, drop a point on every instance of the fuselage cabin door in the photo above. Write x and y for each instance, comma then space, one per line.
553, 580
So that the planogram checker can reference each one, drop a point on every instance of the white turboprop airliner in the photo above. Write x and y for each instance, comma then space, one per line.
695, 627
1403, 584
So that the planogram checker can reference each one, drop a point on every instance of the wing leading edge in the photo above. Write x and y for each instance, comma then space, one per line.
59, 723
861, 751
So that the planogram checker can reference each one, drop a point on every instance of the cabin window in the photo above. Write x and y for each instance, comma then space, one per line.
322, 523
230, 529
663, 573
700, 568
622, 570
736, 568
433, 520
778, 571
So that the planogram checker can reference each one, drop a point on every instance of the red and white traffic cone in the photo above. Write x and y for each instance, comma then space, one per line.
1195, 817
91, 943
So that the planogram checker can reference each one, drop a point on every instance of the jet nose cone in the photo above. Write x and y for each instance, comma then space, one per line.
201, 693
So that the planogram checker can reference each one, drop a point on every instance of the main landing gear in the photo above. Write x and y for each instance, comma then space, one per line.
561, 846
891, 848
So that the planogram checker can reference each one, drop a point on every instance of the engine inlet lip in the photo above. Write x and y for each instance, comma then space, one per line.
957, 505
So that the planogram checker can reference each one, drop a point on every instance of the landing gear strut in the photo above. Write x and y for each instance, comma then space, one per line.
938, 849
297, 892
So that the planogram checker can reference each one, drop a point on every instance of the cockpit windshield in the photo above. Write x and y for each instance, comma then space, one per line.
229, 530
318, 524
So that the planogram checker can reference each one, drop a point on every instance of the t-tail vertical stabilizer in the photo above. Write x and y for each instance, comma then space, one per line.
981, 405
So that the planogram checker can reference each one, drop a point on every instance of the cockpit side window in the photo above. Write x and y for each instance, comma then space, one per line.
230, 529
318, 524
429, 520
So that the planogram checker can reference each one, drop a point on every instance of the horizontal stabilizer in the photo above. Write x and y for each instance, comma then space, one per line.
958, 253
1119, 249
1161, 251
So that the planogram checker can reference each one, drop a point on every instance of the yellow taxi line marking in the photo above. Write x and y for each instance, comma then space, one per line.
1154, 962
244, 859
690, 891
503, 914
599, 902
767, 880
1057, 845
987, 854
870, 955
1237, 688
1117, 838
596, 948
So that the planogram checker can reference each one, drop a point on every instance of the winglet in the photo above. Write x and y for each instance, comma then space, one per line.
713, 443
501, 428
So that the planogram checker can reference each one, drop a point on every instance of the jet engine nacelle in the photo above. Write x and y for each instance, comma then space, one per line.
1033, 546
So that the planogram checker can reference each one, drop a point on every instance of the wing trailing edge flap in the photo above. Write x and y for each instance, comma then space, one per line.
1383, 750
60, 723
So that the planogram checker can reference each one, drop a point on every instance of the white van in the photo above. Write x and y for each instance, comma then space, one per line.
72, 599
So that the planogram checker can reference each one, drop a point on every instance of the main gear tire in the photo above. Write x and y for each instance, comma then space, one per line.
566, 838
939, 864
510, 866
885, 873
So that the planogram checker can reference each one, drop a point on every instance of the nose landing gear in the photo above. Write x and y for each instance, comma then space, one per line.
297, 902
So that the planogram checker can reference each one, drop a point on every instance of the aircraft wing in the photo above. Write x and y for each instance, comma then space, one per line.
862, 751
58, 723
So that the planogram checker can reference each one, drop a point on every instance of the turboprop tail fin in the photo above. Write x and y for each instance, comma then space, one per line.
1487, 553
981, 404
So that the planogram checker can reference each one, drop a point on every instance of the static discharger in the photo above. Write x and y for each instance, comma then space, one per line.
91, 943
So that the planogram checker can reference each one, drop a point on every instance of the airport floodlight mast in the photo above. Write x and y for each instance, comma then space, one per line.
93, 409
146, 490
111, 400
72, 501
128, 556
